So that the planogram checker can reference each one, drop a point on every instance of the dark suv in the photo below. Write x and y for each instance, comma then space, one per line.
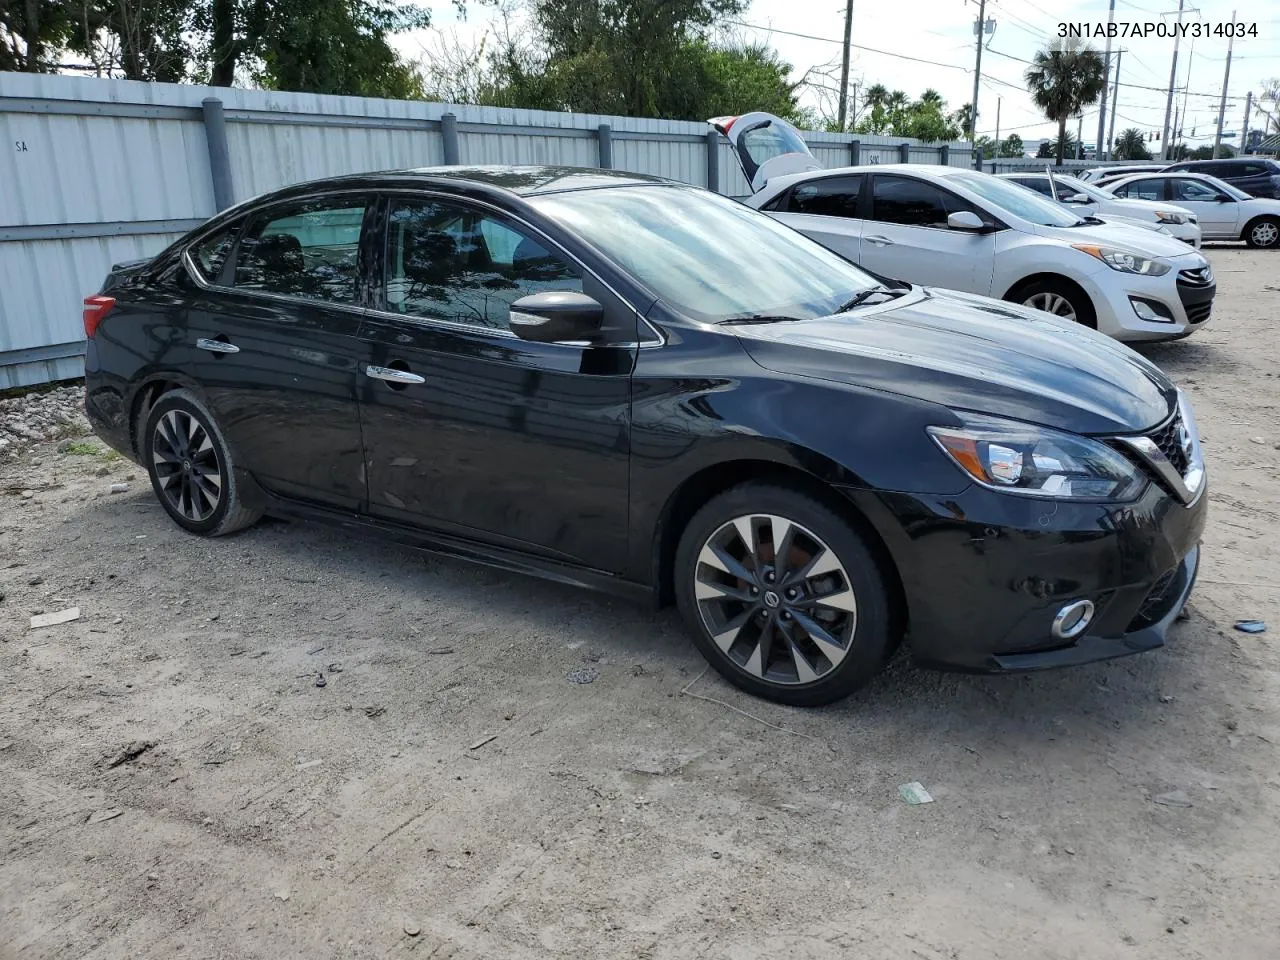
1258, 176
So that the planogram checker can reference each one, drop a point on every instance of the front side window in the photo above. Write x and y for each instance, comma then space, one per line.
1194, 190
707, 256
1151, 189
1021, 203
307, 250
209, 255
1253, 170
1039, 184
447, 261
910, 202
828, 197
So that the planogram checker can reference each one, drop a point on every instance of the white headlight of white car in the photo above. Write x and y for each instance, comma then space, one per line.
1125, 261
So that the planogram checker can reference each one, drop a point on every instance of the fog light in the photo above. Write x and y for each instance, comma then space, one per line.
1151, 310
1073, 619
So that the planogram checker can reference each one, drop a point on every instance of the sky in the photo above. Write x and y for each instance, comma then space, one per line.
930, 43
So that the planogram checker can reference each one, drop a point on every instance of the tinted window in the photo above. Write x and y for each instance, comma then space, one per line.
307, 250
1193, 190
707, 256
1253, 170
451, 262
1038, 184
210, 255
1151, 189
912, 202
830, 197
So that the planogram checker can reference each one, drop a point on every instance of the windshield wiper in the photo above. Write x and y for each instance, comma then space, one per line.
863, 296
762, 318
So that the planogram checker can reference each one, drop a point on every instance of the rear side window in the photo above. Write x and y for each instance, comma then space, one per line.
1038, 184
209, 255
1152, 189
1253, 170
912, 202
829, 197
1194, 190
307, 250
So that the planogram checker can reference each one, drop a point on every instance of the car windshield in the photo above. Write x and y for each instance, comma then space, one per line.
1069, 185
1017, 200
707, 256
1233, 192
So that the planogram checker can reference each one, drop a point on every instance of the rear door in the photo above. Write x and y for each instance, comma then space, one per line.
765, 146
905, 236
272, 338
1219, 214
827, 209
471, 431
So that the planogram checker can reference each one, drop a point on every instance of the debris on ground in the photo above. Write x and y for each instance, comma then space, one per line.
130, 753
308, 764
320, 680
1174, 798
412, 929
374, 712
53, 619
440, 650
915, 793
480, 743
119, 488
582, 675
1251, 626
1166, 698
102, 816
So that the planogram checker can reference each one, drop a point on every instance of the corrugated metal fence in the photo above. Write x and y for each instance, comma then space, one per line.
94, 172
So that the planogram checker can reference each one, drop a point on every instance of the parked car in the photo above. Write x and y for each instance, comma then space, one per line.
963, 230
621, 382
1256, 176
1088, 201
1224, 212
1096, 174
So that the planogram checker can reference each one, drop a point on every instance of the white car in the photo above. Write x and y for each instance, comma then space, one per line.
1088, 201
950, 227
1225, 212
1118, 169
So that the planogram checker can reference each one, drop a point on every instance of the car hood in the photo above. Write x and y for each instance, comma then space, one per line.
972, 353
1139, 240
1134, 207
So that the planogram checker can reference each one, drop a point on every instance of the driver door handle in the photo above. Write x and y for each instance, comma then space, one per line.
216, 346
392, 376
880, 241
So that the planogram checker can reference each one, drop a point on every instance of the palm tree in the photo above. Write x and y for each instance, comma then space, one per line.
964, 119
1130, 145
1063, 79
933, 98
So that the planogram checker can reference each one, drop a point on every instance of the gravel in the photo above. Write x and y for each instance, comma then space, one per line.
41, 415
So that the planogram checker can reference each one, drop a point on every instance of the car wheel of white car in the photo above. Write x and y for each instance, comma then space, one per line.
1263, 232
1059, 298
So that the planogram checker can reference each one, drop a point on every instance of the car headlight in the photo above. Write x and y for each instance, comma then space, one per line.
1022, 458
1124, 260
1168, 216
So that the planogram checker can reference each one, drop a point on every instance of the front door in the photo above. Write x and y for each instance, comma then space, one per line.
468, 429
906, 236
1219, 214
272, 338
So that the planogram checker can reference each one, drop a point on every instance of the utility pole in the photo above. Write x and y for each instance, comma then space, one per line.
1080, 136
1244, 131
1111, 136
844, 64
999, 100
977, 75
1226, 78
1173, 77
1186, 86
1106, 60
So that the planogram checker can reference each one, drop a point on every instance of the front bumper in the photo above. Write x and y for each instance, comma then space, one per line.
984, 573
1113, 294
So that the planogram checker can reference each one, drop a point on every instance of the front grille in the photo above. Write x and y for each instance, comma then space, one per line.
1166, 438
1162, 595
1199, 312
1199, 277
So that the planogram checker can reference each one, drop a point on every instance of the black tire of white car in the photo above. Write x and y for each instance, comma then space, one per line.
1046, 289
738, 601
1263, 233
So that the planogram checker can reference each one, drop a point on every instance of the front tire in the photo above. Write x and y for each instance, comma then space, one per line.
1062, 299
191, 468
1263, 233
783, 596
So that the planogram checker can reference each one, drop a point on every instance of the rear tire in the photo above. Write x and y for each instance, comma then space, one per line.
1262, 233
806, 631
1064, 300
191, 468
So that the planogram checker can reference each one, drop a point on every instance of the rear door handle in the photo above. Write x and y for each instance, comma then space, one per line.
880, 241
392, 376
217, 346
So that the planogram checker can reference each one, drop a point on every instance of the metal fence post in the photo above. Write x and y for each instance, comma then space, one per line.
215, 132
944, 155
713, 161
904, 153
855, 152
604, 133
449, 133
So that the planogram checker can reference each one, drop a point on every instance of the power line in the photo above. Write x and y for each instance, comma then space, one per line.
1136, 86
856, 46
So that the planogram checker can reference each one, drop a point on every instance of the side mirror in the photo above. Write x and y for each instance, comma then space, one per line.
1077, 198
1223, 198
965, 220
554, 317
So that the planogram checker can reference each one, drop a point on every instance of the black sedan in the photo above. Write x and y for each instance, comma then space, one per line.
631, 384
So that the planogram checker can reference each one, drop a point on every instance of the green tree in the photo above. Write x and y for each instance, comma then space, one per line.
1130, 145
1063, 79
986, 147
1206, 152
1057, 148
33, 33
964, 119
1012, 146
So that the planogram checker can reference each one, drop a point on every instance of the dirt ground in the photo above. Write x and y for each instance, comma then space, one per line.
450, 791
